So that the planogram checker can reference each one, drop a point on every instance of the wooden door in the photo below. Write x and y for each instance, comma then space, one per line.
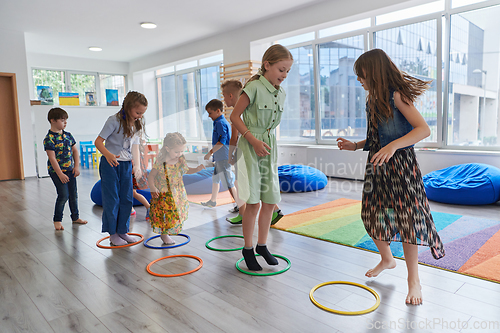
11, 158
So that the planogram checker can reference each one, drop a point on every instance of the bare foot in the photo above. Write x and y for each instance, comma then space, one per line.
380, 267
80, 221
58, 226
167, 240
414, 296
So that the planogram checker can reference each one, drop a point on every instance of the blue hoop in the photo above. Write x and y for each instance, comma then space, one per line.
166, 247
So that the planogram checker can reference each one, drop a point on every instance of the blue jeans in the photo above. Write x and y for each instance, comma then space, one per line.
65, 192
117, 196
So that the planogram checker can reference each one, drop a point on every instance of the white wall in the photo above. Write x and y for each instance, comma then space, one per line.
13, 60
84, 123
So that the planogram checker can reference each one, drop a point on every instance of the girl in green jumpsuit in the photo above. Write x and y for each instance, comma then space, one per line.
261, 104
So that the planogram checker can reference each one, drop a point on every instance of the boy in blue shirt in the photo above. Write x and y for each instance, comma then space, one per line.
220, 150
63, 165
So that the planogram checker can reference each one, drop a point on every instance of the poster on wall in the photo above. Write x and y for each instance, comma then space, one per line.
44, 94
112, 97
69, 98
90, 98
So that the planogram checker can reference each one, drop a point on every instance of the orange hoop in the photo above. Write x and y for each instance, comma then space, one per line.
119, 246
148, 268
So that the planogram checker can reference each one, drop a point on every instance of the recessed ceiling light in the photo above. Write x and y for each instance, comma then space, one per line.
148, 25
95, 48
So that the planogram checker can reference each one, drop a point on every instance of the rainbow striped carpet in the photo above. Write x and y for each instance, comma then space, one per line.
472, 244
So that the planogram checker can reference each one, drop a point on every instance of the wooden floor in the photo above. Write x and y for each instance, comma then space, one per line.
61, 282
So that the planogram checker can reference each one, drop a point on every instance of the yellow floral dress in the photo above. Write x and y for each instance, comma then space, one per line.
169, 211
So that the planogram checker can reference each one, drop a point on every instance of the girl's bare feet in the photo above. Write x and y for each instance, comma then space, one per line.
167, 240
58, 226
414, 296
389, 264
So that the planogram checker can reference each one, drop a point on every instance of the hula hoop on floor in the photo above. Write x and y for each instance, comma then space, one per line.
265, 274
168, 246
350, 313
119, 246
148, 268
214, 249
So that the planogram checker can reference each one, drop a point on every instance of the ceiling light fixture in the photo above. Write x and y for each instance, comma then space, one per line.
148, 25
95, 48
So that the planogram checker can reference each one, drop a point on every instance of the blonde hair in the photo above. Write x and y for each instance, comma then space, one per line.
129, 102
171, 140
273, 54
232, 86
382, 76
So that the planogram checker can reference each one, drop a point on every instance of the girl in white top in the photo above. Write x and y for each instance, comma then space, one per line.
115, 167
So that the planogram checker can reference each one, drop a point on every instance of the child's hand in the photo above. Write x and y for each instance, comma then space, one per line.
261, 148
383, 155
112, 159
154, 192
64, 179
344, 144
137, 172
76, 171
200, 167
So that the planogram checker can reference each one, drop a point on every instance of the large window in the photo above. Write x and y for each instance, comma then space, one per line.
473, 110
79, 82
413, 49
182, 97
341, 97
297, 122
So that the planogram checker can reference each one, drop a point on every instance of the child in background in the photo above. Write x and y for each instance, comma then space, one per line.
231, 90
63, 165
394, 205
169, 204
261, 105
220, 150
115, 167
139, 179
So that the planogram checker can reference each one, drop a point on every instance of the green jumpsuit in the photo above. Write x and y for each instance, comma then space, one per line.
258, 176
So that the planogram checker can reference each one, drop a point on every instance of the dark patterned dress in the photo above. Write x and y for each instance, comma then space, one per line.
394, 205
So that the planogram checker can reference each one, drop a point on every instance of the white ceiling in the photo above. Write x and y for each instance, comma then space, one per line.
69, 27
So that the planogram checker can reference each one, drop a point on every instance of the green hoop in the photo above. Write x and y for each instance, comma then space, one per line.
265, 274
214, 249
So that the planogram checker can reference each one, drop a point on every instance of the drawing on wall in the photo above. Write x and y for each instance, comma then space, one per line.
112, 97
90, 98
69, 98
44, 94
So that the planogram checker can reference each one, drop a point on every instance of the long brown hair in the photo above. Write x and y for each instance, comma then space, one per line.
129, 102
273, 54
381, 75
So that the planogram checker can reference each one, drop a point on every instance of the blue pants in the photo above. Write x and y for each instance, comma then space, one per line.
117, 196
65, 192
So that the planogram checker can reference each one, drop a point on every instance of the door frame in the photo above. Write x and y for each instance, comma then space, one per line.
17, 139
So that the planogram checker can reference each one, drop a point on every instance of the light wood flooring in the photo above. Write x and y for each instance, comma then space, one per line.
60, 281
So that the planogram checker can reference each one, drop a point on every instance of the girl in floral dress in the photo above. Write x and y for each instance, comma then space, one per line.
169, 204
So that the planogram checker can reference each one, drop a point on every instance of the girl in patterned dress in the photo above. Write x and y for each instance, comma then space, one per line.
169, 204
394, 203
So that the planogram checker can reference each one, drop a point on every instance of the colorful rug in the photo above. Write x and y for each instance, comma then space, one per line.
472, 244
223, 198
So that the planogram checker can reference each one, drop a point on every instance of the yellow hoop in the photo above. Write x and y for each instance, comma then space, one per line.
351, 313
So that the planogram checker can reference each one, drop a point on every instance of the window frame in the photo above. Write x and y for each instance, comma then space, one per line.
67, 85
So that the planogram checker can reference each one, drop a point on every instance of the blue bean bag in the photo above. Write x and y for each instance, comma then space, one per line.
301, 178
464, 184
96, 194
201, 182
